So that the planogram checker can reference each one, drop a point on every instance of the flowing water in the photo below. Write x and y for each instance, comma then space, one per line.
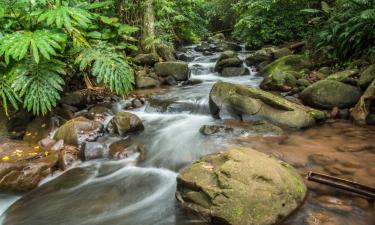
124, 193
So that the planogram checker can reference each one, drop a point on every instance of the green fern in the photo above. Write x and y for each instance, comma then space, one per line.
44, 42
7, 93
108, 66
38, 85
63, 15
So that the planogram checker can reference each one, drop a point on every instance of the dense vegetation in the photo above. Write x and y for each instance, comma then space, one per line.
43, 43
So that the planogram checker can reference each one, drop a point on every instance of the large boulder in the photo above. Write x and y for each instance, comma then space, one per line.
367, 76
361, 111
166, 52
234, 71
178, 69
251, 103
266, 55
24, 165
227, 59
280, 81
327, 94
147, 59
146, 79
295, 63
241, 187
78, 130
124, 123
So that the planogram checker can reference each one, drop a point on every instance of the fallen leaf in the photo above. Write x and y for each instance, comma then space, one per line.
5, 158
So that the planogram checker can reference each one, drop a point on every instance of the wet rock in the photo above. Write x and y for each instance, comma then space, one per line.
99, 112
143, 79
366, 77
283, 81
38, 129
240, 187
93, 150
217, 38
192, 82
178, 69
77, 130
213, 129
24, 165
227, 59
244, 103
356, 147
147, 59
327, 94
361, 111
166, 52
204, 46
229, 46
126, 148
68, 156
234, 71
296, 63
124, 123
170, 80
185, 57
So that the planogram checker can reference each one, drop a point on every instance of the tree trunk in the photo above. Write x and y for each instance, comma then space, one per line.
148, 23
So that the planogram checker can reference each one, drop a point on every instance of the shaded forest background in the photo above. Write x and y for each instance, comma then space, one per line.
51, 46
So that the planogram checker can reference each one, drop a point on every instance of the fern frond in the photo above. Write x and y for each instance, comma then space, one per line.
18, 44
38, 85
7, 94
66, 16
108, 66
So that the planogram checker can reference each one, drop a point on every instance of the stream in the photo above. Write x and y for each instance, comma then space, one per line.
125, 193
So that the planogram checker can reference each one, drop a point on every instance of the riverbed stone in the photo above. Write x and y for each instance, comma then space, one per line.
178, 69
240, 187
99, 112
78, 130
346, 76
367, 76
249, 103
23, 165
126, 148
165, 52
124, 123
282, 81
234, 71
38, 129
227, 59
361, 111
147, 59
327, 94
68, 155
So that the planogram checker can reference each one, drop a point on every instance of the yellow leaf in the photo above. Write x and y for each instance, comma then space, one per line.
33, 154
46, 153
37, 147
5, 158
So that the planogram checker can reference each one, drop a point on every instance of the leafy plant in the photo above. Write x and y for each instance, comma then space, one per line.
108, 66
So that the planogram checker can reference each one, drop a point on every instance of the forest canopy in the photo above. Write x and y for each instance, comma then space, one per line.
45, 44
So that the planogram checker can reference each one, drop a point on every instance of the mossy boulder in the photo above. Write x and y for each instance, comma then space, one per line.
124, 123
234, 71
165, 52
99, 112
361, 112
295, 63
147, 59
346, 76
367, 76
23, 165
249, 103
217, 38
281, 81
241, 187
227, 59
178, 69
146, 79
78, 130
327, 94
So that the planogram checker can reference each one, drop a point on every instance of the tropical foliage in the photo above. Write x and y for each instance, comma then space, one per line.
37, 36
